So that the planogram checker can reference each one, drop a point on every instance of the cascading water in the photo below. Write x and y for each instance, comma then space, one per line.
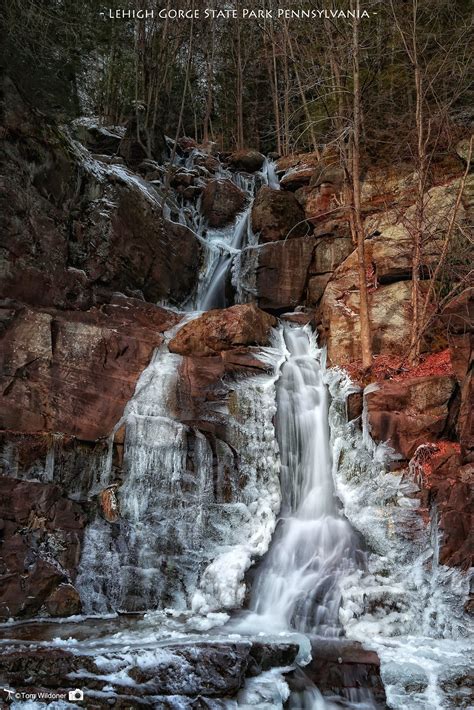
224, 246
197, 512
214, 287
315, 546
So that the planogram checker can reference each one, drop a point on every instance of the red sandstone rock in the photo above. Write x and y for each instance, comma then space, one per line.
410, 412
354, 405
277, 215
458, 318
221, 202
73, 372
444, 481
281, 272
41, 542
223, 329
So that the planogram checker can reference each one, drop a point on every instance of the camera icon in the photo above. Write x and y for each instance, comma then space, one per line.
76, 694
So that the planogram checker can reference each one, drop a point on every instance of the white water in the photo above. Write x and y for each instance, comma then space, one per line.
194, 512
298, 586
223, 246
404, 605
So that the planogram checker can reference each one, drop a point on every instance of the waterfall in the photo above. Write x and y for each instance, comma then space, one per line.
315, 546
404, 604
224, 246
194, 510
262, 502
215, 285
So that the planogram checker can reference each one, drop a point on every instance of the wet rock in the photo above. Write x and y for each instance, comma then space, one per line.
340, 668
40, 547
410, 412
171, 673
64, 601
267, 656
223, 329
221, 202
281, 272
277, 215
73, 372
247, 160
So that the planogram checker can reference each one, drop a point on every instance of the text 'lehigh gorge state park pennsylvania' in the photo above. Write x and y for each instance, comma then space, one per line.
236, 431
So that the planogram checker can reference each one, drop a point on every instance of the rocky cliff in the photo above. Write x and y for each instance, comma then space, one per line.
88, 251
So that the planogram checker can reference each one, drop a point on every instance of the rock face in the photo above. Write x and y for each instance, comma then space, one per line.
41, 543
221, 202
248, 160
170, 674
448, 484
458, 318
224, 329
281, 271
277, 215
410, 412
73, 372
390, 314
78, 229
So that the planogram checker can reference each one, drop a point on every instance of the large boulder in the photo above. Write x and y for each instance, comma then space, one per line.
248, 160
277, 215
280, 272
410, 412
219, 330
221, 202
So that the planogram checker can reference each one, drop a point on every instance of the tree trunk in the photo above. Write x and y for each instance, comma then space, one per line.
365, 335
